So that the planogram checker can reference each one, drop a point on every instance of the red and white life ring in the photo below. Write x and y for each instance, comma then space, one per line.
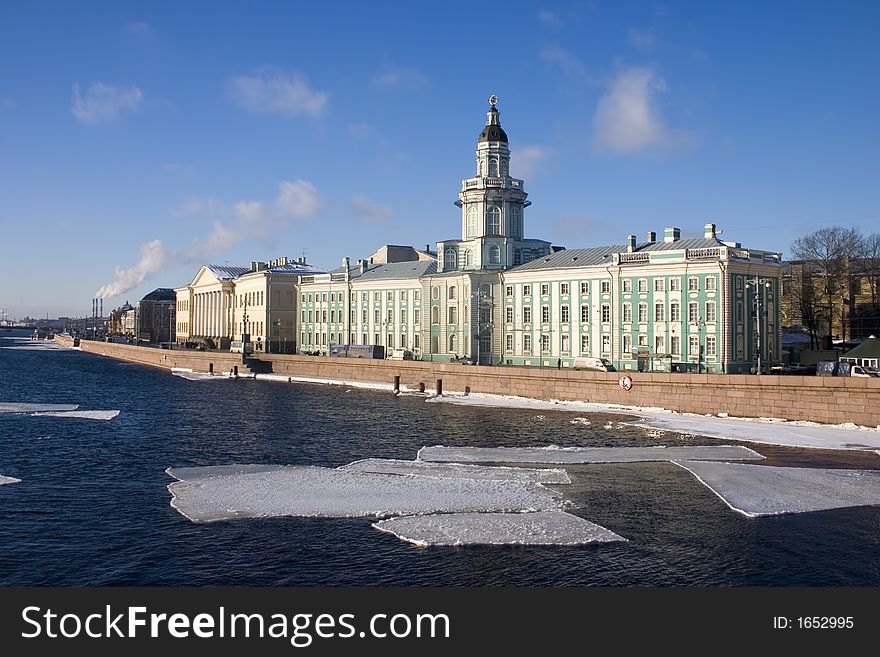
625, 382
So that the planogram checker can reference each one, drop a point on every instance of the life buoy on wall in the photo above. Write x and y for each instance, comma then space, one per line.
625, 382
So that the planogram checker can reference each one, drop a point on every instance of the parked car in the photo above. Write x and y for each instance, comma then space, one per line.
400, 354
843, 368
594, 364
461, 360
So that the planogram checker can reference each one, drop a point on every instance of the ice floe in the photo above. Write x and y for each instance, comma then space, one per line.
457, 470
188, 374
554, 454
538, 528
87, 415
8, 480
758, 490
208, 494
368, 385
21, 407
769, 431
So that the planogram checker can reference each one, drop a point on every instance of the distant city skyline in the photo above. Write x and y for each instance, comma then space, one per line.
141, 140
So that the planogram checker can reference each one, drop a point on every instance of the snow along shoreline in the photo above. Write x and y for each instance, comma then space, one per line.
767, 431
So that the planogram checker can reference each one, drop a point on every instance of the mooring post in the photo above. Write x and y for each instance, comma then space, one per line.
210, 368
397, 385
439, 387
421, 386
467, 390
235, 371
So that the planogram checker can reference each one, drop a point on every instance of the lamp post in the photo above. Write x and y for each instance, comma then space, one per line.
757, 284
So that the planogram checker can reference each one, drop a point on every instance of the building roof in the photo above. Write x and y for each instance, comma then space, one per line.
225, 272
161, 294
493, 130
385, 271
869, 348
602, 255
569, 258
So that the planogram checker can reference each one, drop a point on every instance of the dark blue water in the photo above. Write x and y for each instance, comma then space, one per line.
93, 507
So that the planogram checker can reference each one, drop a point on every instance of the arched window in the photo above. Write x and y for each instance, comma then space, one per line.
451, 291
468, 258
515, 222
435, 315
493, 166
494, 255
472, 220
503, 166
493, 223
452, 343
449, 260
480, 167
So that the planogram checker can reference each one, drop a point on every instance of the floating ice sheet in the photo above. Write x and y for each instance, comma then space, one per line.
758, 490
8, 480
88, 415
555, 454
207, 494
424, 468
19, 407
539, 528
199, 376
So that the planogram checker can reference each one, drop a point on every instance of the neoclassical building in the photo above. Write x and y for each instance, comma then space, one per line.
221, 303
498, 297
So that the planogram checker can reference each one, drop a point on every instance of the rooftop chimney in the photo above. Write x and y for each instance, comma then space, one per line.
346, 263
652, 236
671, 234
630, 243
364, 265
710, 232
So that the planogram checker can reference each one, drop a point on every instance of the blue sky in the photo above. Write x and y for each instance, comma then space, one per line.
139, 140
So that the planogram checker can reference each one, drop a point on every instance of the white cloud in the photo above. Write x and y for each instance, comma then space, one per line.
153, 257
550, 18
138, 29
642, 39
626, 118
103, 102
272, 92
297, 200
409, 78
370, 212
568, 63
524, 161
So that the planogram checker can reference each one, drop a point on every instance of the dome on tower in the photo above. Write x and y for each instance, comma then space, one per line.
493, 130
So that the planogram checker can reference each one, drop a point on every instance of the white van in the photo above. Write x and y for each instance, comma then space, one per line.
400, 354
594, 364
238, 347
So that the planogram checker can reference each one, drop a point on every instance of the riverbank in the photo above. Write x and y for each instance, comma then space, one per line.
823, 400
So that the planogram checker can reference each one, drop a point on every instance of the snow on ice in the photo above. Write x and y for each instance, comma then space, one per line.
8, 480
455, 470
18, 407
555, 454
205, 495
87, 415
538, 528
758, 490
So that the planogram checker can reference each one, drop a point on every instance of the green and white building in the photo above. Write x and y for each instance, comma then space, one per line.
497, 297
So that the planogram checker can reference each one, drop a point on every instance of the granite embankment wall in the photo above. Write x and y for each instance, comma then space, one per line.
820, 399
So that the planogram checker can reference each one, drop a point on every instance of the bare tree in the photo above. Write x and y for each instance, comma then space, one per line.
869, 271
829, 252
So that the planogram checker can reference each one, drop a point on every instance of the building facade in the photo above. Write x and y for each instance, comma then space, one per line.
497, 297
259, 303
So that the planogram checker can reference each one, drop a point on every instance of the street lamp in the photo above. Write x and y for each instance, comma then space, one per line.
757, 284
